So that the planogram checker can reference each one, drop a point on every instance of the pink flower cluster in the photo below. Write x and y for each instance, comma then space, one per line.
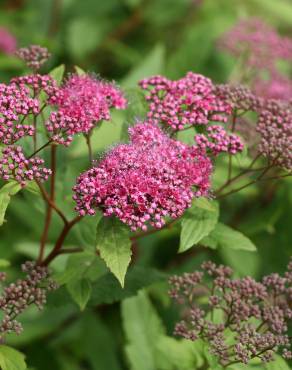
82, 102
263, 47
275, 128
38, 84
261, 43
15, 166
218, 141
34, 56
7, 41
188, 101
143, 182
15, 104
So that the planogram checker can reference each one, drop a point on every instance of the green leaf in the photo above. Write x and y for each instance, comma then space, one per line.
10, 359
80, 291
278, 364
107, 290
79, 71
178, 354
196, 224
204, 203
142, 327
6, 192
4, 263
58, 73
227, 237
114, 245
32, 187
152, 64
83, 265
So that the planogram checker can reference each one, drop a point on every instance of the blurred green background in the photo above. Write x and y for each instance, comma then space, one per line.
126, 40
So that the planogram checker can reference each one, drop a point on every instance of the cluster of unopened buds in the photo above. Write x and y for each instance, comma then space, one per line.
34, 56
251, 317
18, 296
15, 166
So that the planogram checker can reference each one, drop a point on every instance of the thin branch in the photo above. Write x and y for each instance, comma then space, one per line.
58, 246
49, 207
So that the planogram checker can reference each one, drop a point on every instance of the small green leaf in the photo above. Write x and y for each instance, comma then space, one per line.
10, 359
114, 245
143, 327
79, 71
196, 224
206, 204
4, 263
58, 73
278, 364
32, 187
6, 192
230, 238
80, 291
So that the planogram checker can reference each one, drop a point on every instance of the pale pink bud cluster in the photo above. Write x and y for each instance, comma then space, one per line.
256, 315
7, 41
34, 56
190, 100
262, 47
277, 87
275, 128
240, 97
145, 181
15, 166
15, 104
219, 141
82, 102
260, 43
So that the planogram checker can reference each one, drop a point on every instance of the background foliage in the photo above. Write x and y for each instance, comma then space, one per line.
91, 323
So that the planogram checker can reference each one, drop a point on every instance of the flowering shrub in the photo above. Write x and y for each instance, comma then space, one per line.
160, 174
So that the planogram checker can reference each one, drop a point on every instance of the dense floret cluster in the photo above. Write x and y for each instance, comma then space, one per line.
254, 315
16, 297
275, 128
16, 104
15, 166
260, 48
190, 100
82, 102
34, 56
218, 141
150, 178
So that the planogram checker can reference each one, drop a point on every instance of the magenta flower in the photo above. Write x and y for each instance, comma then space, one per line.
82, 102
145, 181
34, 56
15, 104
7, 41
188, 101
218, 141
15, 166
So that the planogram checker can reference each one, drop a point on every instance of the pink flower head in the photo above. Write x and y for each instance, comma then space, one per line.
188, 101
7, 41
15, 166
261, 44
277, 87
38, 84
15, 104
150, 178
83, 102
218, 141
275, 127
34, 56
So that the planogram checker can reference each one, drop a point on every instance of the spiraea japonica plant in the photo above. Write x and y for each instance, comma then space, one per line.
160, 174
